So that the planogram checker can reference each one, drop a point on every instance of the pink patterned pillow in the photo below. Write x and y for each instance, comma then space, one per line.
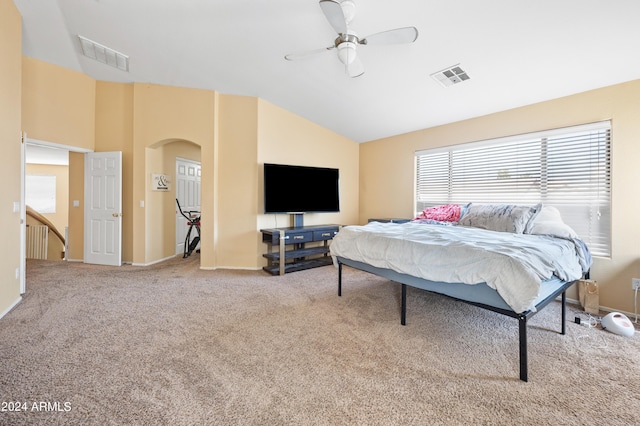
443, 213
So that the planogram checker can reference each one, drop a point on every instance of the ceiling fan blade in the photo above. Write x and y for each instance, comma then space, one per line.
397, 36
302, 55
334, 14
355, 68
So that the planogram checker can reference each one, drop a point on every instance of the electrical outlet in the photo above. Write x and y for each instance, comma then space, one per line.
635, 283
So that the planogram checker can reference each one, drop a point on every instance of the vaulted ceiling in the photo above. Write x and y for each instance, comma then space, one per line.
515, 52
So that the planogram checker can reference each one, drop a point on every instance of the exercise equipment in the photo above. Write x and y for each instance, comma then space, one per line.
193, 221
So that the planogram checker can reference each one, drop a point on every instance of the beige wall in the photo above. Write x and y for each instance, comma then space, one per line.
225, 132
10, 119
58, 105
237, 183
114, 132
152, 125
75, 244
386, 170
251, 132
161, 115
162, 230
286, 138
60, 218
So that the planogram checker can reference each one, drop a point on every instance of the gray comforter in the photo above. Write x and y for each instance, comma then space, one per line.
512, 264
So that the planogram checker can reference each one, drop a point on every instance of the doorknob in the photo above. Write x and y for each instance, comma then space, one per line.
116, 214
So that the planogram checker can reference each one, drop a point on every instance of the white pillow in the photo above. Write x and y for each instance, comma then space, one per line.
500, 217
549, 213
549, 222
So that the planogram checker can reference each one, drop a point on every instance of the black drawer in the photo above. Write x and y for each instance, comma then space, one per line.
324, 235
298, 237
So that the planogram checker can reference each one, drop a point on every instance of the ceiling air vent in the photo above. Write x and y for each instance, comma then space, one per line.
103, 54
450, 76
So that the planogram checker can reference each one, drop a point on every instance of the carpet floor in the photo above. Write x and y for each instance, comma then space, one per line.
173, 344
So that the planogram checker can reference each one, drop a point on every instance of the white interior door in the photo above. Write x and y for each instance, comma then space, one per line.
103, 208
188, 194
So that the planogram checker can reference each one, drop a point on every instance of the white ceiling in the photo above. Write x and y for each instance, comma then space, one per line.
516, 53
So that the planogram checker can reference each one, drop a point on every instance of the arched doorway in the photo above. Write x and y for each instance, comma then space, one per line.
188, 195
165, 227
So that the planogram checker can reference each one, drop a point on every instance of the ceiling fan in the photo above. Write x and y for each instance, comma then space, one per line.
340, 14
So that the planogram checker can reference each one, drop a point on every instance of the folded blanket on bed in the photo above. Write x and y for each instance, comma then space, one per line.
512, 264
442, 213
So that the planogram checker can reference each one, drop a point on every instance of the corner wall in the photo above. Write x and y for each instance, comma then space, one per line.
237, 183
114, 132
387, 170
58, 104
75, 243
10, 136
286, 138
162, 114
235, 135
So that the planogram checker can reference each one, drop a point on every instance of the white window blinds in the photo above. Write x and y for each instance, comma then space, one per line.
569, 168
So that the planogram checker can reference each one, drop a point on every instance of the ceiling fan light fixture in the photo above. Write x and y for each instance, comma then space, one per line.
338, 14
347, 52
348, 9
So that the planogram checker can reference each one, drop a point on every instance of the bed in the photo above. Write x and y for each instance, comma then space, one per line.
513, 260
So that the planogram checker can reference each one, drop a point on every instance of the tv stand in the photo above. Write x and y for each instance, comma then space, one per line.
288, 250
298, 220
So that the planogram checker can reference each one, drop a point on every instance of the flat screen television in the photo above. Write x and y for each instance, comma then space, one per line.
301, 189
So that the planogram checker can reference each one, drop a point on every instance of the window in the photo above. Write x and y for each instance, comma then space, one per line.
40, 193
568, 168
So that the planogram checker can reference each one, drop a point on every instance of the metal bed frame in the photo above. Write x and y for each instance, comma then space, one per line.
521, 317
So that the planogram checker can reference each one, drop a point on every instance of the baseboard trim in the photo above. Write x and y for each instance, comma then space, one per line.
81, 261
602, 308
236, 268
13, 305
154, 262
569, 300
204, 268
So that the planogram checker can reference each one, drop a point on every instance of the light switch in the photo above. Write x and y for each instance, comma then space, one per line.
141, 203
16, 206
